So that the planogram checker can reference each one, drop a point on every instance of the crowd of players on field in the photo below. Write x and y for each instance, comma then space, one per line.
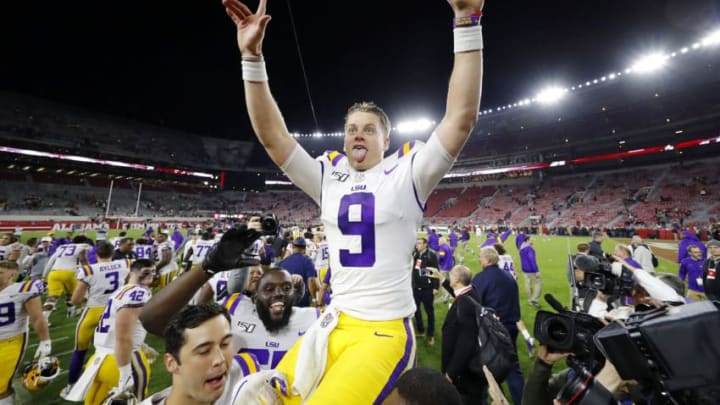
279, 300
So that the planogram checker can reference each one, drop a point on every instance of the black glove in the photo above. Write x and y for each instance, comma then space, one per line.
230, 252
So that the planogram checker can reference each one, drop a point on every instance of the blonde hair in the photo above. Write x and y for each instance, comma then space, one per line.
371, 107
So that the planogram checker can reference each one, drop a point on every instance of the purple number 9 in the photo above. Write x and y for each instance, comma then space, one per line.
357, 217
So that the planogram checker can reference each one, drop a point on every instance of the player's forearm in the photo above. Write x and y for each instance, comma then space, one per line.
123, 350
463, 101
157, 312
268, 122
41, 328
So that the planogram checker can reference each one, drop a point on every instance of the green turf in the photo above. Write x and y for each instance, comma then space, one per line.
551, 255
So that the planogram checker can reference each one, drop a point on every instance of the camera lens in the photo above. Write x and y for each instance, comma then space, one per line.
559, 332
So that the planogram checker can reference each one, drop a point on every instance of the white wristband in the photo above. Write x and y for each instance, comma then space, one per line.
468, 38
525, 334
254, 71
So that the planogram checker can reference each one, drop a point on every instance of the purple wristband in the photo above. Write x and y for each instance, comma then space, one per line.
467, 21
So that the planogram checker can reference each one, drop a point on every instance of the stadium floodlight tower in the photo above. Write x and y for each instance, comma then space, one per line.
415, 126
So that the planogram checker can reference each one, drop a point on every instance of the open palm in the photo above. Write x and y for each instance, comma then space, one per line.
250, 26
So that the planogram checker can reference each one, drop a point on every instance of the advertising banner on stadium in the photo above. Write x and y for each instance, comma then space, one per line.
83, 224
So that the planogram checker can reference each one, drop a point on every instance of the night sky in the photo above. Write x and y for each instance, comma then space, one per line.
177, 64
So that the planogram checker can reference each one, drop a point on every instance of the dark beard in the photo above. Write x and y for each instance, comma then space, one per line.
271, 325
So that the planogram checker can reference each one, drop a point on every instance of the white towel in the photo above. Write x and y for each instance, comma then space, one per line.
312, 357
77, 394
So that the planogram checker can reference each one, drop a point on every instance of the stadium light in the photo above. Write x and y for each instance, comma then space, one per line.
415, 126
711, 39
550, 95
650, 63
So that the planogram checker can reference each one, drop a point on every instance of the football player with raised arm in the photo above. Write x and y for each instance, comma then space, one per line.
371, 208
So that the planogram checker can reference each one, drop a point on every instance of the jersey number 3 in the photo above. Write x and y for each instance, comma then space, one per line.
357, 217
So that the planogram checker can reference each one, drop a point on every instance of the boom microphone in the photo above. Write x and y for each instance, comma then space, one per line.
555, 303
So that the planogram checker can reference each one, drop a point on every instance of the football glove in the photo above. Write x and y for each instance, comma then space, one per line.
230, 253
125, 383
44, 349
262, 388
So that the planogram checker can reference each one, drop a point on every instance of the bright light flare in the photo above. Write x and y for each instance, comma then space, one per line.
650, 63
711, 39
550, 95
415, 126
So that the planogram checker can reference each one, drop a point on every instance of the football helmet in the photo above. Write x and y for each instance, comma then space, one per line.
40, 373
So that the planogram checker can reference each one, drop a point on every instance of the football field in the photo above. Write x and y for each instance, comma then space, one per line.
552, 255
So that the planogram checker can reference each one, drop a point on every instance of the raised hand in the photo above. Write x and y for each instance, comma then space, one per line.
230, 253
466, 7
250, 26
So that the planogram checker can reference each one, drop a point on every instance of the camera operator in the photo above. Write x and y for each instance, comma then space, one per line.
647, 287
542, 387
423, 286
710, 282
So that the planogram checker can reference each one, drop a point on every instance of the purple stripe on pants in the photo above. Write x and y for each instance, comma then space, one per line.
141, 378
401, 366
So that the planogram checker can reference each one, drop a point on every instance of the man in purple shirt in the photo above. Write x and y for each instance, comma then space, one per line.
446, 260
531, 272
453, 239
433, 240
691, 268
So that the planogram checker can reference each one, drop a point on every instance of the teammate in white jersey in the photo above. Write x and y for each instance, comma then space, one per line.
269, 325
99, 282
505, 261
118, 366
200, 249
166, 263
370, 209
199, 356
60, 273
116, 240
18, 303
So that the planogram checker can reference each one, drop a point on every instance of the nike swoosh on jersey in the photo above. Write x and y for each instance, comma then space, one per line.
391, 169
302, 332
382, 335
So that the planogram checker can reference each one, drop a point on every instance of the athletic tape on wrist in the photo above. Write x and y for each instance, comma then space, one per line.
468, 38
254, 71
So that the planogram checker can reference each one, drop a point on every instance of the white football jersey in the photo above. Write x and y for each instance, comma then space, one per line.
200, 249
5, 251
116, 241
250, 335
66, 256
219, 285
371, 220
322, 256
13, 317
104, 279
130, 296
506, 263
160, 249
145, 252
